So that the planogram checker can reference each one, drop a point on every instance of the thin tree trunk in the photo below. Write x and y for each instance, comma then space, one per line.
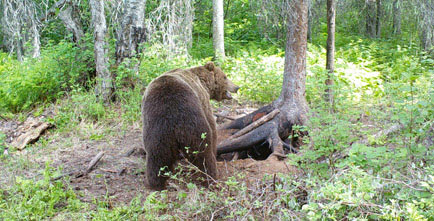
20, 48
218, 29
426, 24
397, 17
132, 30
330, 63
370, 18
104, 84
379, 15
309, 22
36, 41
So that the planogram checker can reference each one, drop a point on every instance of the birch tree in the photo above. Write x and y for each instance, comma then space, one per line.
132, 30
104, 84
330, 65
397, 17
171, 24
20, 24
218, 29
69, 16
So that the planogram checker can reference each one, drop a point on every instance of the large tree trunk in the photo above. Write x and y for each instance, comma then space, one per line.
132, 30
104, 84
275, 120
218, 29
371, 18
330, 63
396, 17
378, 22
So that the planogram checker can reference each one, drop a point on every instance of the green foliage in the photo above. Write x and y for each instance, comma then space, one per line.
80, 106
2, 142
35, 81
37, 199
345, 170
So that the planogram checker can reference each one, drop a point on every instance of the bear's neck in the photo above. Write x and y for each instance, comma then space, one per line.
206, 80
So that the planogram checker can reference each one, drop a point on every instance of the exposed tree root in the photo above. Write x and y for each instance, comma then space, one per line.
266, 127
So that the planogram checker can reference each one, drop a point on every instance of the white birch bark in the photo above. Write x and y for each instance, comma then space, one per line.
104, 84
132, 31
71, 22
218, 29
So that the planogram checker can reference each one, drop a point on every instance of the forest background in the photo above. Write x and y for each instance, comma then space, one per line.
370, 150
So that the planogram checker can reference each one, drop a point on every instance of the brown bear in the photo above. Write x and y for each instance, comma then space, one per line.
178, 121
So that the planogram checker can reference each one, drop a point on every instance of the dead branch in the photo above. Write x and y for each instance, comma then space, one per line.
255, 124
394, 128
77, 174
108, 170
246, 141
276, 144
130, 152
223, 116
242, 122
94, 161
54, 9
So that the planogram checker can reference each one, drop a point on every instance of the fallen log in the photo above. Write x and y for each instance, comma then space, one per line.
30, 136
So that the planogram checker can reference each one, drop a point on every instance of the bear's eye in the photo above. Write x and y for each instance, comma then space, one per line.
226, 78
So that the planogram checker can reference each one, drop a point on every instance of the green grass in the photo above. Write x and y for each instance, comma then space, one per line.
378, 83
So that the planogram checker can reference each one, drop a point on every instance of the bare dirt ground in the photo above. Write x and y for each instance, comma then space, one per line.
118, 177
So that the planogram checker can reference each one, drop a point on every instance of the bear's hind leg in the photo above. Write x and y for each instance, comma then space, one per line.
156, 167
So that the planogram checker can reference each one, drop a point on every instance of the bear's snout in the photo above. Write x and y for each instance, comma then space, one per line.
233, 88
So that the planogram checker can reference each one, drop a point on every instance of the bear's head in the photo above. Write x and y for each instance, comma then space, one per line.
222, 87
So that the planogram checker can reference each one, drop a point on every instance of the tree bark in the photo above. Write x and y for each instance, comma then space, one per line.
309, 22
36, 42
370, 18
69, 17
397, 17
426, 24
291, 103
104, 84
132, 30
330, 63
218, 29
379, 16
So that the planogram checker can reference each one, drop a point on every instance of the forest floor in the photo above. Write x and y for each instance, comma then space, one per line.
120, 175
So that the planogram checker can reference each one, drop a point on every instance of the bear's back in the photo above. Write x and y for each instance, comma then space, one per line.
173, 112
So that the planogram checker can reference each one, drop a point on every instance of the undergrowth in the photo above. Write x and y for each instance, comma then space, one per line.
346, 171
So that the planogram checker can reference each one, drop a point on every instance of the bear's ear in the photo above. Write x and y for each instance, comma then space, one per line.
210, 66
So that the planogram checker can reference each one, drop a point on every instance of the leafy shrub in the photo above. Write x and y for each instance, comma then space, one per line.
36, 200
34, 81
80, 105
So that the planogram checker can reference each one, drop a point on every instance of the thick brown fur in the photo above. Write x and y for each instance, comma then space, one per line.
175, 113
